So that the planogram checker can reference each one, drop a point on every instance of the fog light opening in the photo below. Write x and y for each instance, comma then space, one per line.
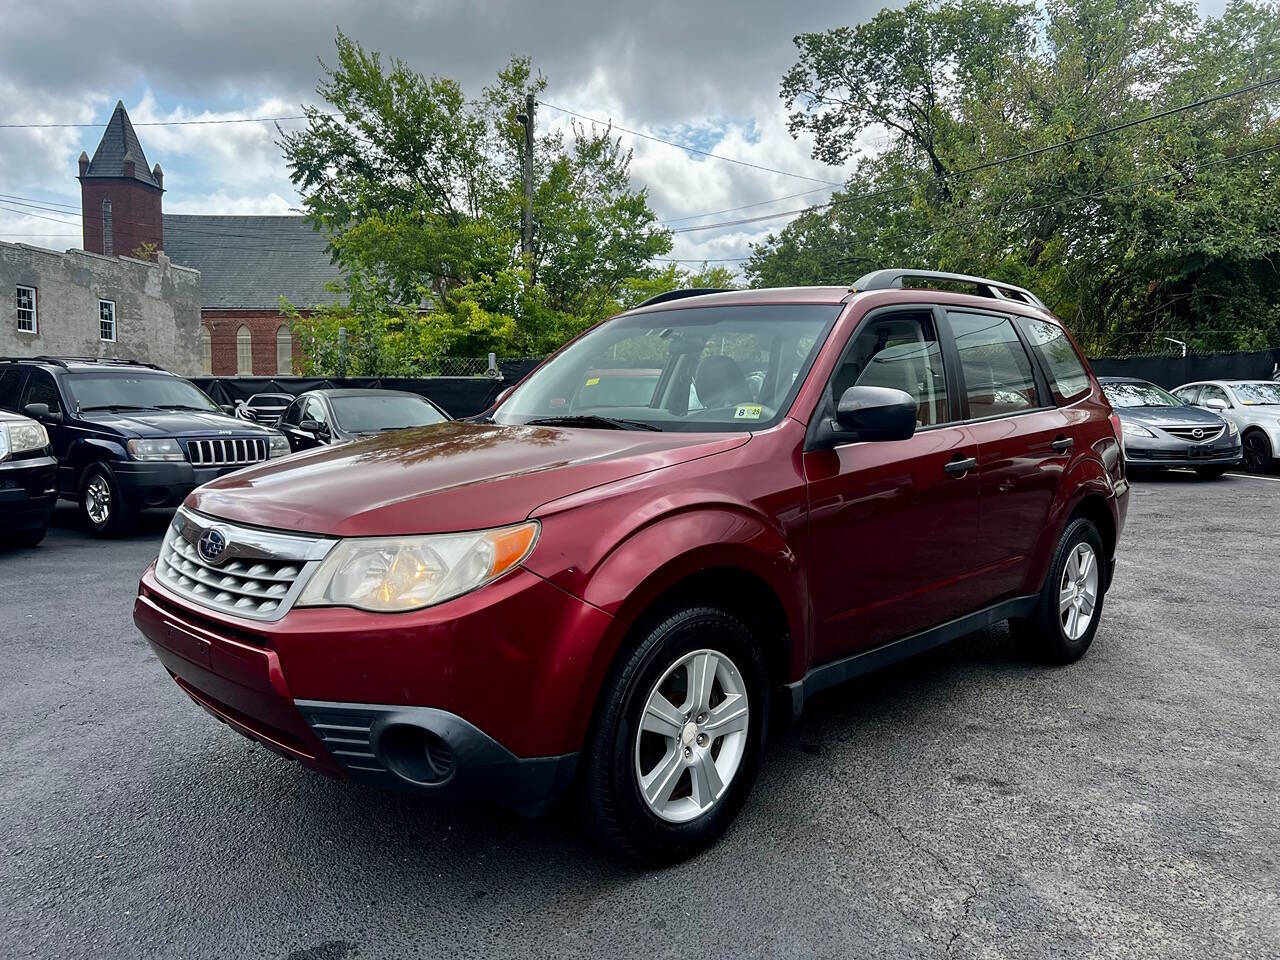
416, 754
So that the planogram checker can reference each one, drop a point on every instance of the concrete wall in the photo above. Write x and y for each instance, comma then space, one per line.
157, 307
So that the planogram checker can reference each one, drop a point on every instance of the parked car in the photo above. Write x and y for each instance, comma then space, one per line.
322, 417
1162, 431
28, 481
1251, 406
264, 408
620, 596
129, 435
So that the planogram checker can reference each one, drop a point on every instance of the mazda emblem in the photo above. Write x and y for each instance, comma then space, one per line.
212, 544
1197, 433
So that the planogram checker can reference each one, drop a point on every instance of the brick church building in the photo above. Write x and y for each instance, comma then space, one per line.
246, 263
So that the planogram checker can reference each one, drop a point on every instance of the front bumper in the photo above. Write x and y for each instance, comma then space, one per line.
28, 491
162, 484
479, 697
1160, 452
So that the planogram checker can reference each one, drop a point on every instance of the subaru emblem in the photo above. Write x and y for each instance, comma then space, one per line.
212, 544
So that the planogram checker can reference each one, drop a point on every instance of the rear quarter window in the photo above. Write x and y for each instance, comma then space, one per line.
1062, 365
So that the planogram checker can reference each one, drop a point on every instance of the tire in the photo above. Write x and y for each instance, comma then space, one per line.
620, 757
1050, 633
104, 511
1210, 473
1257, 451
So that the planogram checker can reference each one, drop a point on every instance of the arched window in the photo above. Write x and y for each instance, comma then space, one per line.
206, 350
244, 352
284, 351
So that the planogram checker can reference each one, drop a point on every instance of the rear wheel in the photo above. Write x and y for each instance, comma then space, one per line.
1066, 616
1210, 473
104, 512
1257, 452
677, 743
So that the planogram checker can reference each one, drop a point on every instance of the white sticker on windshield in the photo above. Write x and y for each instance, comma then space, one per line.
748, 411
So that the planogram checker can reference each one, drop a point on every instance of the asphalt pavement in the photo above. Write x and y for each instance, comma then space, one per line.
964, 804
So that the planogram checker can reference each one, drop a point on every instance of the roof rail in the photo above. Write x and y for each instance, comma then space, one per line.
121, 361
53, 360
682, 294
893, 279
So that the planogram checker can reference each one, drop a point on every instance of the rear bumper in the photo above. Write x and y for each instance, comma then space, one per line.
28, 491
480, 701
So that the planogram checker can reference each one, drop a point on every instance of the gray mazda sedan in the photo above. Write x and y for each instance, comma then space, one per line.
1162, 431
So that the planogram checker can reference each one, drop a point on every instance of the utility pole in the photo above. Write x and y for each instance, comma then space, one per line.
526, 225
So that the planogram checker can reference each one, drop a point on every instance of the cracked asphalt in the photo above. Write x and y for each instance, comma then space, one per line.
964, 804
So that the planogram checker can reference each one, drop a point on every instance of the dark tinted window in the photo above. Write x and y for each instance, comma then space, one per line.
41, 389
11, 378
1067, 377
293, 415
898, 350
997, 370
313, 409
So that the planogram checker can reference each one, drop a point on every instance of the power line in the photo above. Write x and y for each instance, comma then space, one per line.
686, 147
745, 206
163, 123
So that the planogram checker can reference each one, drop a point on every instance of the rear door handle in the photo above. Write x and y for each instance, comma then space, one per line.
1063, 444
961, 466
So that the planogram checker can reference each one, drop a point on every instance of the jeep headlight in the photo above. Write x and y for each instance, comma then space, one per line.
394, 574
21, 436
166, 449
279, 446
1135, 430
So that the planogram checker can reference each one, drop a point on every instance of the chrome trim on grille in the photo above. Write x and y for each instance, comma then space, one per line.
257, 574
229, 452
1208, 434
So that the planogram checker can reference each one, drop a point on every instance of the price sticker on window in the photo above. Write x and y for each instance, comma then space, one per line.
748, 411
592, 381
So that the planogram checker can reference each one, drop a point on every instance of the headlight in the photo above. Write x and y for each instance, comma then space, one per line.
166, 449
393, 574
22, 436
1232, 429
1135, 430
279, 446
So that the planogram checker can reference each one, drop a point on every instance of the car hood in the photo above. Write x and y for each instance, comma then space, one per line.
1169, 416
446, 477
172, 423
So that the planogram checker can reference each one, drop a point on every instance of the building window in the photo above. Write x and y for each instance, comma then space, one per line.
106, 228
27, 310
206, 350
284, 351
107, 320
244, 352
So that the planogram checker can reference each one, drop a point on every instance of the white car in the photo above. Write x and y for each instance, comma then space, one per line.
1252, 405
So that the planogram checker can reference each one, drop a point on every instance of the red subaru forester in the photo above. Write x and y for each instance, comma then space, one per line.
702, 508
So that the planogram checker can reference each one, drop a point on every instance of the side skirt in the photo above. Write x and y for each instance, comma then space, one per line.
839, 671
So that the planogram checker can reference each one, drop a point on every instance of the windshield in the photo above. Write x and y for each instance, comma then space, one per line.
371, 413
1139, 395
691, 369
1257, 394
144, 391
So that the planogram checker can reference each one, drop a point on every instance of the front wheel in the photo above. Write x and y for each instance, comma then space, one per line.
1061, 627
1257, 452
677, 742
105, 513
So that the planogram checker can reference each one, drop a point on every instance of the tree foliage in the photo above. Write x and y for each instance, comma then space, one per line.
1171, 225
420, 191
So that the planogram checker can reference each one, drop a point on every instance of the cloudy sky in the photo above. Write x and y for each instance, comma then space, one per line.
700, 72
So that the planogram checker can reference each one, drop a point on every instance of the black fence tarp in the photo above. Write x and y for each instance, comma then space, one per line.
457, 396
1170, 372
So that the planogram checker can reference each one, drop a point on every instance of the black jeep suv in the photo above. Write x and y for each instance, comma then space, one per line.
129, 435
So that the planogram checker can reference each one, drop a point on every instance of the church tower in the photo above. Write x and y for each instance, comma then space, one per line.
119, 196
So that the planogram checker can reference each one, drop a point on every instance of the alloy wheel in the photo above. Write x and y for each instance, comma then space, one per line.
692, 736
97, 499
1078, 592
1256, 453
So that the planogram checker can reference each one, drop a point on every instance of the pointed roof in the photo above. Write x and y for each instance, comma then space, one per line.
120, 143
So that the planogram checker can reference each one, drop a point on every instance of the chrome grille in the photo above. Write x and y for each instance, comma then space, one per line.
258, 574
1207, 433
229, 452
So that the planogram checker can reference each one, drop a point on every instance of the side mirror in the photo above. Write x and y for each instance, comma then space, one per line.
503, 395
876, 413
1215, 403
41, 412
229, 409
315, 428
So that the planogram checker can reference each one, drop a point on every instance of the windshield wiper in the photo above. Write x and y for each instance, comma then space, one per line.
592, 420
113, 407
184, 406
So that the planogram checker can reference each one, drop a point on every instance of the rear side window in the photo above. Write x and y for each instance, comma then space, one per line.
42, 389
997, 371
1187, 394
1067, 377
10, 382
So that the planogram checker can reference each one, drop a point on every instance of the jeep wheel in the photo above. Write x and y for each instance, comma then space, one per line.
678, 738
100, 504
1066, 616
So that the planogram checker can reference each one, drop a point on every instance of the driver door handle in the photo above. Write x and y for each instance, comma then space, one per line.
961, 466
1063, 444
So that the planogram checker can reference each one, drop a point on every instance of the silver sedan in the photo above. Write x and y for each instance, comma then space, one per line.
1252, 405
